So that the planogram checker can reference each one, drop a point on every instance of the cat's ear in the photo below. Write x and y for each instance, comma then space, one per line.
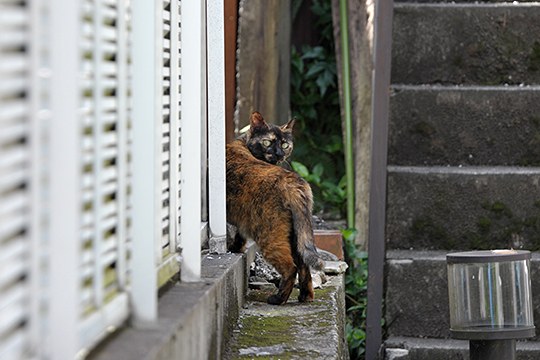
288, 127
256, 121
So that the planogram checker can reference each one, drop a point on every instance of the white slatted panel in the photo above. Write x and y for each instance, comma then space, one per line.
176, 123
168, 48
103, 187
14, 179
166, 125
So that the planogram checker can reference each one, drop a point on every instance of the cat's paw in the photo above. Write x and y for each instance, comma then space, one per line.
275, 300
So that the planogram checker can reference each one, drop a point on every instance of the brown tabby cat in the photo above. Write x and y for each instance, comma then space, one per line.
273, 207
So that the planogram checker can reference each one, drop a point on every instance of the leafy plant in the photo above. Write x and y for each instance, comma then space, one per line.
318, 154
331, 193
356, 295
315, 104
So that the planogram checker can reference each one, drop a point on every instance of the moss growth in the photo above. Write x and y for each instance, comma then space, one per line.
423, 128
261, 331
499, 227
281, 331
498, 208
496, 227
484, 224
425, 230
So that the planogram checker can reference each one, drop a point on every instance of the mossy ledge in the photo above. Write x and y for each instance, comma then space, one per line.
293, 331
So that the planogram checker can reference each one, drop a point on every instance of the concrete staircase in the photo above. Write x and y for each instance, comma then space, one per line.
464, 158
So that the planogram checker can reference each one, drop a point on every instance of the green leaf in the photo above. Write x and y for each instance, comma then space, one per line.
349, 234
318, 170
313, 52
300, 168
314, 69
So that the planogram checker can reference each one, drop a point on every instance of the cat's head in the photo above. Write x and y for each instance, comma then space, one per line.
270, 143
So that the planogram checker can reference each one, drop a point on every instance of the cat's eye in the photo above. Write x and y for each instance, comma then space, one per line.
285, 146
266, 142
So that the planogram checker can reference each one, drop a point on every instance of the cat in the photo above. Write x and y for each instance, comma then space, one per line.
267, 142
272, 206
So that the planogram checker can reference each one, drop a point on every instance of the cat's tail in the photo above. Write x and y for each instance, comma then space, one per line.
301, 202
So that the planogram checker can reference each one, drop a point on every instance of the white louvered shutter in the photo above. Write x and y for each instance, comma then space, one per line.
14, 180
104, 152
166, 126
176, 123
168, 48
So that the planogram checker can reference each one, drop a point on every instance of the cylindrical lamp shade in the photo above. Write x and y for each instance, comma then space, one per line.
490, 295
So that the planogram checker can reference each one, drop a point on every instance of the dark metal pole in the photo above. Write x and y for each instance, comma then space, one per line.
377, 194
492, 349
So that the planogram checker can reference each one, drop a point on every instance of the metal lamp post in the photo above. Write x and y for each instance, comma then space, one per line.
490, 301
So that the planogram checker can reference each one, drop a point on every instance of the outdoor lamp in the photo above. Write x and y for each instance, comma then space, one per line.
490, 301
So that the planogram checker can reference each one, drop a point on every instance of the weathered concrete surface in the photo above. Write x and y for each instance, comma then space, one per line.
460, 1
455, 125
417, 294
425, 349
466, 44
295, 330
194, 320
437, 349
463, 208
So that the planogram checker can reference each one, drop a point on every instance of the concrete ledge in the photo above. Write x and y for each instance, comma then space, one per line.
295, 330
195, 319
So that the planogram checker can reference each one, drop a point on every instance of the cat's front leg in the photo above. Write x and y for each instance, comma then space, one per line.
238, 244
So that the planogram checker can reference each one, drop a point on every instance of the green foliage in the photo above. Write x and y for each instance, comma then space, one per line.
331, 193
315, 105
356, 295
319, 157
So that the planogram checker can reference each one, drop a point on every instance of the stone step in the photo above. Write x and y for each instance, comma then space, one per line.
404, 348
463, 208
464, 125
460, 1
479, 44
416, 303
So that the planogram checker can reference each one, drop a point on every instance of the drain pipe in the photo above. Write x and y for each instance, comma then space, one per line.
345, 72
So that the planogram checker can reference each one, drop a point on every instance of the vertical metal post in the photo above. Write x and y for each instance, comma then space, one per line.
144, 155
216, 127
193, 109
64, 181
377, 194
